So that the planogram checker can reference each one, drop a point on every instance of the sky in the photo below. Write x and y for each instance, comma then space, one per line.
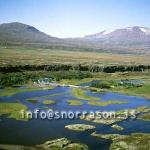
76, 18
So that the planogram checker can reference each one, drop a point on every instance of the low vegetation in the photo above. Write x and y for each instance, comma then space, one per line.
110, 118
58, 144
62, 144
145, 117
125, 83
28, 77
48, 102
74, 102
33, 101
110, 102
12, 55
100, 118
137, 91
80, 94
138, 141
79, 127
117, 127
12, 91
13, 110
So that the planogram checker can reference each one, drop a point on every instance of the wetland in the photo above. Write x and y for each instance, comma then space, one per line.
98, 94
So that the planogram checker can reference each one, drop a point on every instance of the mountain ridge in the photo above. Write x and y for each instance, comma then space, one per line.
124, 39
16, 31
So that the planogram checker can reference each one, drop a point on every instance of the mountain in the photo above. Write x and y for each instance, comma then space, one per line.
19, 34
126, 40
22, 33
130, 35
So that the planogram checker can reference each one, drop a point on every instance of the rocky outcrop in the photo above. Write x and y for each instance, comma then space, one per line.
79, 127
135, 141
58, 144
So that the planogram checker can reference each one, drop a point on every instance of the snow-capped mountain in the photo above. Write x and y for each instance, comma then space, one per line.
131, 39
129, 34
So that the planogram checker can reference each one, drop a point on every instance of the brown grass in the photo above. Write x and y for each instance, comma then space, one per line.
24, 56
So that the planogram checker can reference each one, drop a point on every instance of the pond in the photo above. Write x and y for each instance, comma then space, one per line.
38, 131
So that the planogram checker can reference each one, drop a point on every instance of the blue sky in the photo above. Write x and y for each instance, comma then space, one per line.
74, 18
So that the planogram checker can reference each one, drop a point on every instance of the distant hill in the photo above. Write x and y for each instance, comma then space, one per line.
129, 35
131, 39
21, 33
126, 40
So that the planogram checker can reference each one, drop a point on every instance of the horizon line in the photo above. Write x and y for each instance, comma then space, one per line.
72, 36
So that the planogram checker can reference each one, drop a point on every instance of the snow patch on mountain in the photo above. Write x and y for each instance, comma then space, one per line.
107, 32
129, 28
147, 31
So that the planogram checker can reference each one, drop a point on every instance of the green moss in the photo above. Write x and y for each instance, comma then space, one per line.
137, 91
120, 115
143, 109
34, 101
58, 144
110, 102
13, 110
117, 127
76, 146
48, 102
51, 95
137, 141
80, 93
62, 144
145, 117
13, 91
75, 81
79, 127
17, 147
75, 102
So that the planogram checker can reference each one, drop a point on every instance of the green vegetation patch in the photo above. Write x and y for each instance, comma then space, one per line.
13, 91
34, 101
100, 117
137, 91
106, 84
17, 147
51, 95
80, 94
63, 144
75, 102
137, 141
13, 110
79, 127
49, 102
57, 144
76, 146
75, 81
117, 127
145, 117
110, 102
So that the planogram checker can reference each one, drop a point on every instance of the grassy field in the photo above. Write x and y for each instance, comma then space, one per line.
30, 56
48, 102
22, 56
74, 102
80, 93
143, 90
12, 91
138, 141
33, 101
12, 109
105, 77
110, 102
